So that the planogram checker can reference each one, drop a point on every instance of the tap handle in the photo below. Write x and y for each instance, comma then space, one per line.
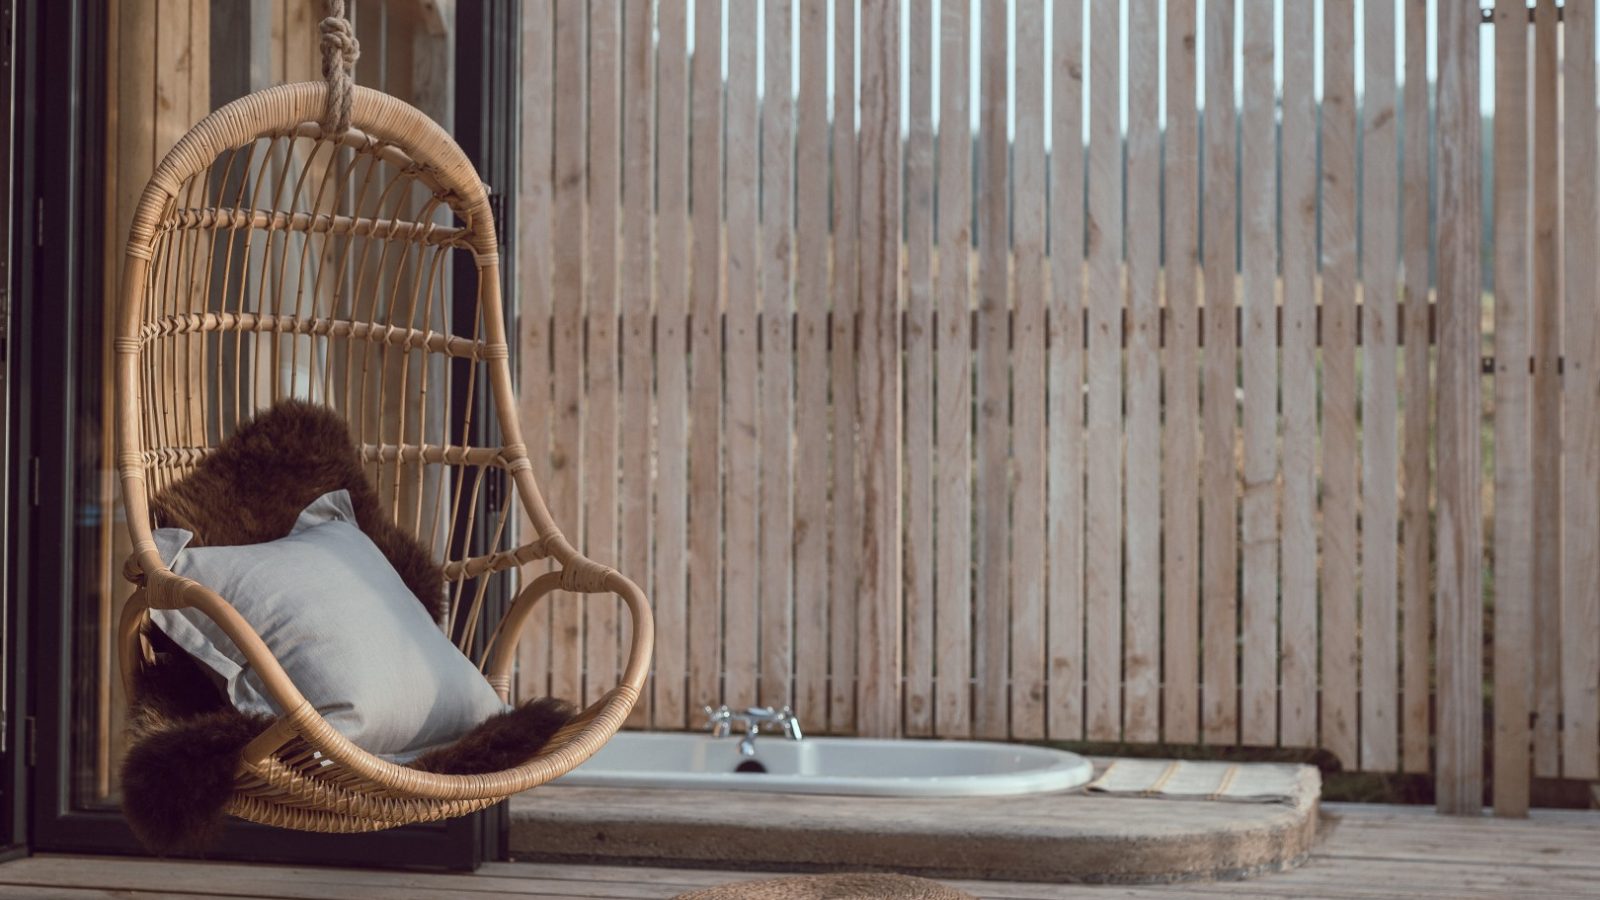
791, 724
717, 720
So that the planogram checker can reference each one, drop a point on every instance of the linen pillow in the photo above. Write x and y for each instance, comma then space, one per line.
345, 627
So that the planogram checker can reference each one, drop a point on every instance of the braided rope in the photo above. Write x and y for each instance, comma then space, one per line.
340, 50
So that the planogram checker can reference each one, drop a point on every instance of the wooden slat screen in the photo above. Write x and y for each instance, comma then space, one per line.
938, 380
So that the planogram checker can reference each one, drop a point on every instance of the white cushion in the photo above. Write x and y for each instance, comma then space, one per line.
346, 629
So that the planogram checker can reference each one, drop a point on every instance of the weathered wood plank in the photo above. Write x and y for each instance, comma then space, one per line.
1142, 572
1417, 530
1103, 573
600, 351
567, 288
878, 615
1028, 380
705, 361
953, 382
1380, 535
1546, 269
1513, 451
1219, 606
920, 552
1339, 450
1180, 446
535, 187
991, 476
740, 548
638, 326
811, 367
1459, 589
844, 566
1258, 649
777, 360
672, 389
1297, 708
1580, 474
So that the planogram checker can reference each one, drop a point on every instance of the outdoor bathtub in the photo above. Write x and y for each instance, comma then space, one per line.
845, 766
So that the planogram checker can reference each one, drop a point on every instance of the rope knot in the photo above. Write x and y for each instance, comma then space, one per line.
340, 50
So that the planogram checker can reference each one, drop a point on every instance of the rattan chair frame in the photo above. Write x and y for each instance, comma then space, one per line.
301, 773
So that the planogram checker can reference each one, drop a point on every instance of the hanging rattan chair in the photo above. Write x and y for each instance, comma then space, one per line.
297, 243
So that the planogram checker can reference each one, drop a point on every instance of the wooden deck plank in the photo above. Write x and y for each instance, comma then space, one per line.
953, 383
1380, 534
705, 363
741, 549
1297, 709
1340, 666
1103, 568
1416, 528
1219, 476
1513, 450
1180, 439
1459, 590
991, 477
672, 388
919, 548
811, 368
777, 360
1258, 708
1580, 475
1546, 270
1028, 380
599, 447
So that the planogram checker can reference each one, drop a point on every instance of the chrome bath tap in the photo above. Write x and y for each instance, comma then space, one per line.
720, 722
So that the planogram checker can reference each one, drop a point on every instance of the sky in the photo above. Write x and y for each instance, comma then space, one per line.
1486, 51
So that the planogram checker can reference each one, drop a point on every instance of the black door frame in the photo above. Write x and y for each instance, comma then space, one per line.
59, 280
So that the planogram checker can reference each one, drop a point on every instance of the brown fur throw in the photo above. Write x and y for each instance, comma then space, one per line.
185, 737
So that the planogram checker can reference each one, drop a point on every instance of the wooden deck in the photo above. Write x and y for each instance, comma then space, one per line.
1369, 852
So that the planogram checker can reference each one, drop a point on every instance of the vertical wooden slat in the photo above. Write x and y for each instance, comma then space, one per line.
1028, 381
570, 209
991, 476
741, 547
1546, 265
1513, 451
846, 495
672, 308
1219, 477
1459, 595
600, 351
919, 541
638, 368
1258, 651
777, 360
1580, 481
878, 618
1103, 577
1142, 660
534, 189
811, 367
705, 361
1417, 628
1380, 689
1298, 705
953, 381
1180, 439
1338, 632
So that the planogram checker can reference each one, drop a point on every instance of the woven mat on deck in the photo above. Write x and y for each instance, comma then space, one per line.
1174, 779
831, 887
